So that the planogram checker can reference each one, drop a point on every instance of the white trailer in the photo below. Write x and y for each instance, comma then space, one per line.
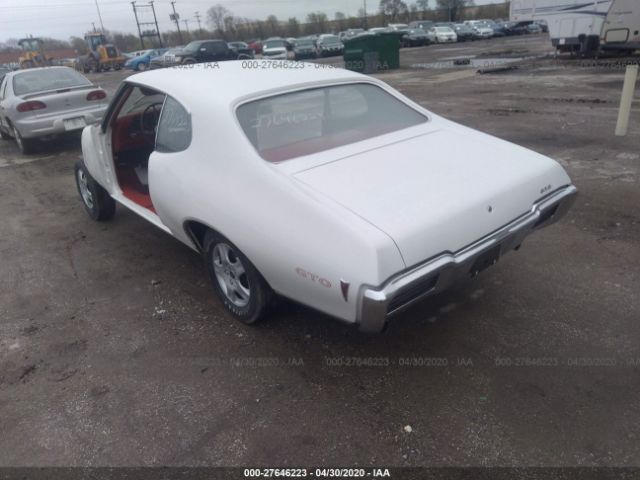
584, 26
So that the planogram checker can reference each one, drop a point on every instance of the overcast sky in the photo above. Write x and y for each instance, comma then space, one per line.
64, 18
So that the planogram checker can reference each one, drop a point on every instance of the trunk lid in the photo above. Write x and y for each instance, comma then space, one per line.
440, 191
64, 100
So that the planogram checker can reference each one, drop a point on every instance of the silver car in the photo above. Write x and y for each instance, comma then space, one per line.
43, 102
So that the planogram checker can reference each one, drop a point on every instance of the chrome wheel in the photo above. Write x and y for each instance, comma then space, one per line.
87, 196
231, 275
18, 138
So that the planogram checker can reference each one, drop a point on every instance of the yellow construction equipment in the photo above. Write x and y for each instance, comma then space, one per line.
101, 55
33, 53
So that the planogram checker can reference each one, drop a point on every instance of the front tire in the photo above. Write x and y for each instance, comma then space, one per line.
237, 283
97, 202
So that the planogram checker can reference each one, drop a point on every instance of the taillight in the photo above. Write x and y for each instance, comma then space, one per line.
30, 106
96, 95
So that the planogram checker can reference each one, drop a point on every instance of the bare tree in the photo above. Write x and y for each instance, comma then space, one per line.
453, 8
340, 20
293, 27
423, 6
216, 16
393, 9
273, 26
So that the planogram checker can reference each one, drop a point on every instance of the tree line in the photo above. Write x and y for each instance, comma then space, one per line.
224, 24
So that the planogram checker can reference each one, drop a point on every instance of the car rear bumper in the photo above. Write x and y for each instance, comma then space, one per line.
54, 124
377, 305
275, 56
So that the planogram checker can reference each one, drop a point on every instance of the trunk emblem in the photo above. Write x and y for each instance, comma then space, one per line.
489, 208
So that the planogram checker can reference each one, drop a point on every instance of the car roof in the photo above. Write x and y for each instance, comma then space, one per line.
13, 73
225, 83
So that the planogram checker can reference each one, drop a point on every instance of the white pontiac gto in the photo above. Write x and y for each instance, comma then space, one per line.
318, 184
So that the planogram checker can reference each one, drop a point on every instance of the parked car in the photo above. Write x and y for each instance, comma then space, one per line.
255, 45
48, 101
329, 45
397, 26
242, 49
3, 72
350, 33
378, 30
415, 37
274, 48
534, 28
544, 26
464, 32
166, 59
444, 34
372, 225
515, 28
142, 61
304, 48
423, 24
498, 29
201, 51
481, 30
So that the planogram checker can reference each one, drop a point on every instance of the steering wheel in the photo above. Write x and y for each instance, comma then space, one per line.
152, 111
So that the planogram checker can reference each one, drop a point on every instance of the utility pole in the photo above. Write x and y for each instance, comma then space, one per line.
156, 20
148, 30
135, 13
176, 18
197, 14
99, 16
94, 27
365, 14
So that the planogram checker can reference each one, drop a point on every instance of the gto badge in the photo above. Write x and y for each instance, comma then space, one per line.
545, 189
313, 277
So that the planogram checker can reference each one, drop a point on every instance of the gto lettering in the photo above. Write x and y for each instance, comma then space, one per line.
313, 277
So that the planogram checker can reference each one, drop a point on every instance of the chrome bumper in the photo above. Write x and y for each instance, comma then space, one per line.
377, 305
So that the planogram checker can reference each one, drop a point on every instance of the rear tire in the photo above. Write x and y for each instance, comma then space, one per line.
237, 283
97, 202
26, 146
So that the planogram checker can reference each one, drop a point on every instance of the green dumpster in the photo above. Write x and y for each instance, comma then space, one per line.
369, 53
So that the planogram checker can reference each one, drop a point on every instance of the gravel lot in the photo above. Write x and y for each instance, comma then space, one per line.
114, 350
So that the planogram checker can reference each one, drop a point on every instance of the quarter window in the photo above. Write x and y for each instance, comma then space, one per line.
174, 128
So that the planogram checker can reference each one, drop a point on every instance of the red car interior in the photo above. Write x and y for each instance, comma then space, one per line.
131, 148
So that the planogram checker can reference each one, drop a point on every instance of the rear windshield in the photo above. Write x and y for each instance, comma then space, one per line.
331, 39
310, 121
31, 81
274, 43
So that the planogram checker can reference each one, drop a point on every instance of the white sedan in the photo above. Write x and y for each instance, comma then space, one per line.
314, 183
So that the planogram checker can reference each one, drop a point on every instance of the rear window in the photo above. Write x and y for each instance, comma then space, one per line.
310, 121
47, 79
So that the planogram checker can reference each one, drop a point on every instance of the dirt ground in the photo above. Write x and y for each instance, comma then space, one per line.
114, 350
